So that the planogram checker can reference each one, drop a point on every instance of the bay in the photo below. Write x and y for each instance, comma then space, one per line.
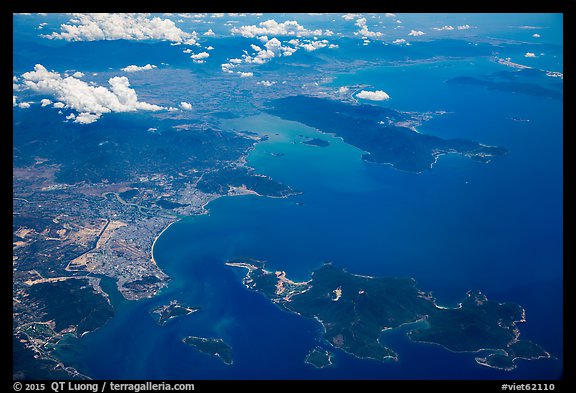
463, 225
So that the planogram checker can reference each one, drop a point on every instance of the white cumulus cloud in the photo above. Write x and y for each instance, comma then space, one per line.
416, 33
226, 67
463, 27
364, 31
377, 95
89, 101
273, 28
135, 68
22, 105
272, 48
209, 33
313, 45
350, 16
400, 41
266, 83
105, 26
200, 56
444, 28
86, 118
536, 35
530, 54
186, 106
45, 102
245, 74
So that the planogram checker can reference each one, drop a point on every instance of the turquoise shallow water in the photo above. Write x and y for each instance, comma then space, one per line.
463, 225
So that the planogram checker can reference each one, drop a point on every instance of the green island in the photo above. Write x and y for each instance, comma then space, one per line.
162, 314
354, 310
212, 346
317, 142
319, 358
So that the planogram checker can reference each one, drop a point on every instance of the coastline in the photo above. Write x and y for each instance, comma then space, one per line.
204, 210
156, 238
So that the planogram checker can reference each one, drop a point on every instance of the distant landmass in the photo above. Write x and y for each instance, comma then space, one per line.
514, 87
528, 81
386, 135
354, 310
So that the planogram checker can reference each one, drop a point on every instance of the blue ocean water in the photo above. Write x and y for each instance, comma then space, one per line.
463, 225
